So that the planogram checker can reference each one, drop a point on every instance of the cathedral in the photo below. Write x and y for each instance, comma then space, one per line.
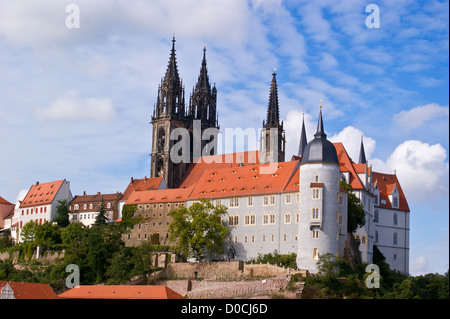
298, 208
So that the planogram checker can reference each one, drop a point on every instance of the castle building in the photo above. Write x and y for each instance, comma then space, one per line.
85, 208
40, 204
297, 208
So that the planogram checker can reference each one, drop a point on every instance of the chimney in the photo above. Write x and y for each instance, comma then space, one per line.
84, 193
132, 180
145, 178
37, 183
98, 193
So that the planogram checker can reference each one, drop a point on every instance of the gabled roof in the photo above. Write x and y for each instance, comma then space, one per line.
41, 194
4, 201
78, 199
196, 170
27, 290
347, 165
386, 183
244, 180
121, 292
159, 196
143, 184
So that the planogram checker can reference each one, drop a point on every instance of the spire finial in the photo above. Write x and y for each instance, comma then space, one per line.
320, 105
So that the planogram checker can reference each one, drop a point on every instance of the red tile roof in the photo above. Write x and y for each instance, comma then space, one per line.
26, 290
41, 194
228, 160
4, 201
143, 184
347, 165
244, 180
159, 196
386, 183
121, 292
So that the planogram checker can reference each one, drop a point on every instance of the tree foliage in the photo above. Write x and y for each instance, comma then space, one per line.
356, 217
198, 229
62, 213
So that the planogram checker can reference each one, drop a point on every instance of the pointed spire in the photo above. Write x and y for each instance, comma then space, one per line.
172, 75
203, 79
303, 140
273, 110
320, 131
362, 153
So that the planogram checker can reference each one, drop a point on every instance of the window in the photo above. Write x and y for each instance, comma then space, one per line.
233, 220
108, 205
253, 239
266, 200
263, 238
375, 216
297, 217
315, 234
288, 198
85, 206
341, 200
250, 201
315, 213
287, 218
249, 219
218, 202
376, 199
265, 219
272, 218
76, 207
395, 219
91, 206
315, 193
394, 239
272, 199
395, 202
245, 239
297, 197
284, 237
234, 202
315, 253
376, 236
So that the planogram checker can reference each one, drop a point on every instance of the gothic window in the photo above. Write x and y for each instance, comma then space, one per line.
395, 202
394, 239
159, 167
287, 218
395, 219
161, 139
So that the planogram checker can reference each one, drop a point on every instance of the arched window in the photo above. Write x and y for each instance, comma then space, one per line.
395, 219
85, 206
395, 202
375, 216
376, 236
394, 239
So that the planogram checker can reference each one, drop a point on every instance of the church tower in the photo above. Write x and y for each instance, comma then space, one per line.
169, 113
322, 228
202, 107
273, 140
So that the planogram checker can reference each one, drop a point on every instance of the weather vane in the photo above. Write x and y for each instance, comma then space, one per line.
320, 106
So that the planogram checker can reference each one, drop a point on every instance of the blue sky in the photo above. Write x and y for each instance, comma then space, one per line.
76, 103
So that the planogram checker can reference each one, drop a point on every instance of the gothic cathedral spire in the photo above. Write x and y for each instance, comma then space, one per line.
303, 141
273, 132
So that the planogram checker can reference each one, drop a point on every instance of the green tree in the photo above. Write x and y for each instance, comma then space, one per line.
62, 213
356, 216
47, 235
198, 229
28, 232
101, 218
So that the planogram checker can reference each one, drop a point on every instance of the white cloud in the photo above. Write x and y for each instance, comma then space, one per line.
419, 265
421, 168
417, 116
71, 107
351, 138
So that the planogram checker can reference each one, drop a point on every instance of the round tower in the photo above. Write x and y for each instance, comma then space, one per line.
319, 189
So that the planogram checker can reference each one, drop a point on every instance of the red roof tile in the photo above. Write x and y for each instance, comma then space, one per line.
244, 180
159, 196
386, 183
26, 290
120, 292
143, 184
41, 194
347, 165
4, 201
196, 170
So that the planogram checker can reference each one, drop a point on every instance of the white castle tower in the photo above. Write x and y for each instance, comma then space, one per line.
323, 207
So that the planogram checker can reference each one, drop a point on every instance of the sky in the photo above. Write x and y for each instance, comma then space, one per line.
77, 99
